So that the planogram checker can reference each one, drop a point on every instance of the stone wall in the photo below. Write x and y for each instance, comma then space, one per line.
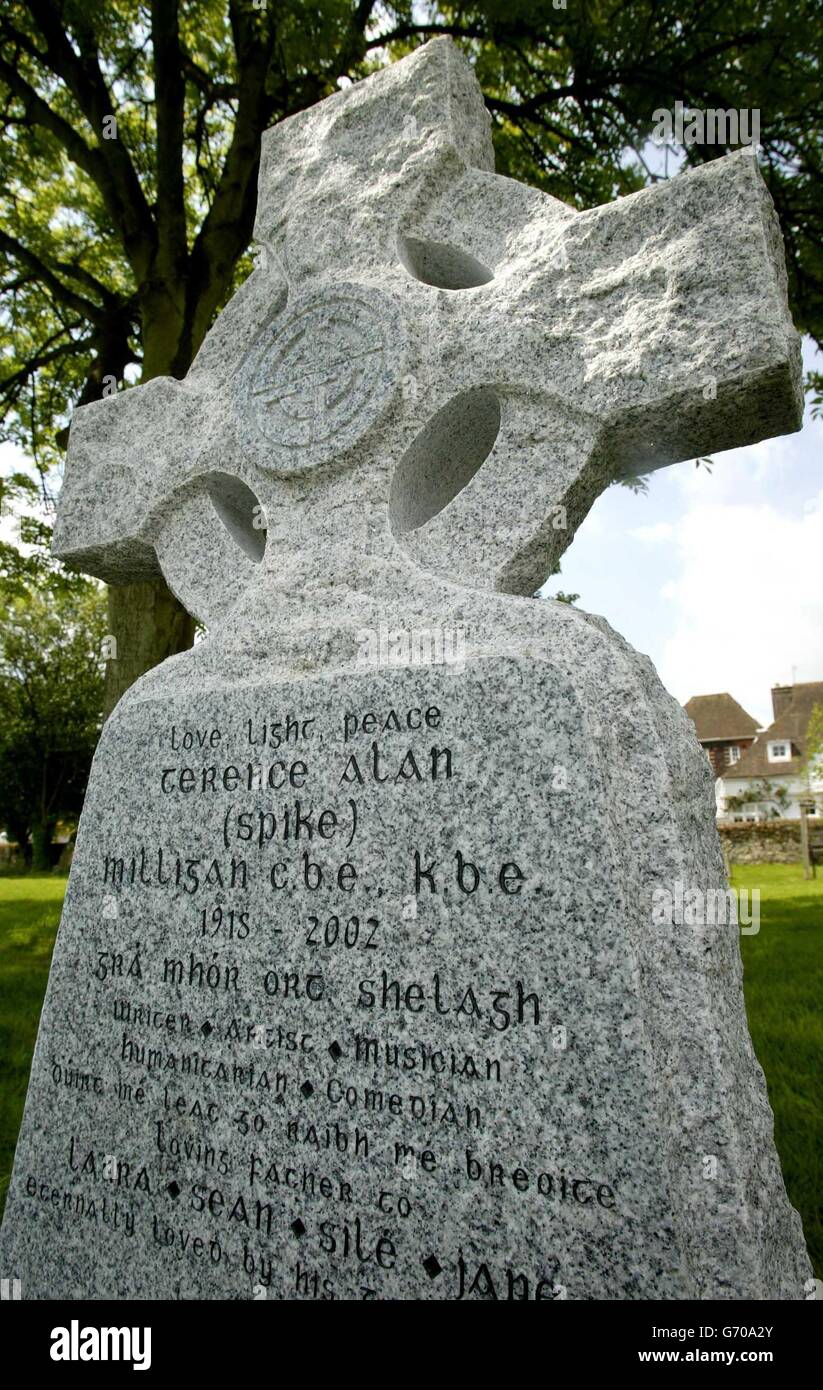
764, 842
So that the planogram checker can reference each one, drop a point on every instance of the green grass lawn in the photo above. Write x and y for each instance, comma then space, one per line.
29, 913
783, 984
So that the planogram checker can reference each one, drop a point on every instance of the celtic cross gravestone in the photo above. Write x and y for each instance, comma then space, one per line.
363, 987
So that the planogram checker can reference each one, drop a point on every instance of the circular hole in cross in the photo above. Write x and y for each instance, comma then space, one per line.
240, 512
443, 266
443, 458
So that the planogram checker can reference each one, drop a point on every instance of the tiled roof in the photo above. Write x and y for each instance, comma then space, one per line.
719, 717
790, 728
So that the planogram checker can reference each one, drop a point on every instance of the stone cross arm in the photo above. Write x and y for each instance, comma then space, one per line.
434, 361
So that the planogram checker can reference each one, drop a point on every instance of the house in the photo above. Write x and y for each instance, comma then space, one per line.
768, 779
724, 729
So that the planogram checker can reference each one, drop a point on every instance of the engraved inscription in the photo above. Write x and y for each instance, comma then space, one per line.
315, 1048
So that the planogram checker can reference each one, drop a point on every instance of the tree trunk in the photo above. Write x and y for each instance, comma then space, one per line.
146, 620
41, 834
149, 625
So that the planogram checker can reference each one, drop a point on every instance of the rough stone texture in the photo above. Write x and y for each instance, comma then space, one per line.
412, 318
650, 330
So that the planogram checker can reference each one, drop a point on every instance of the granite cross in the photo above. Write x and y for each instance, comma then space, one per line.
433, 357
373, 978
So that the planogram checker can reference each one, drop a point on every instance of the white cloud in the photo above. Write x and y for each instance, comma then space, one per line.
747, 601
660, 531
596, 525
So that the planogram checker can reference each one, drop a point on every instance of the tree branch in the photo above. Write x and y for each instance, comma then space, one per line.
227, 226
214, 91
410, 31
79, 272
111, 166
169, 95
25, 256
40, 113
517, 114
354, 44
11, 385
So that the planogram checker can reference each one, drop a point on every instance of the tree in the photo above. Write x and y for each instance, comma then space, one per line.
133, 146
772, 795
52, 625
813, 760
51, 695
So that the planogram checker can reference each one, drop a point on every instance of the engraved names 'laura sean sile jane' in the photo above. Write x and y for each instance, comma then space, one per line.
359, 991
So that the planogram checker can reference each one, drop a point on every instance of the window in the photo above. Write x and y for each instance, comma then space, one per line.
779, 752
734, 753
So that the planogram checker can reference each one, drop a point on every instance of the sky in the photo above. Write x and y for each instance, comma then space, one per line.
718, 577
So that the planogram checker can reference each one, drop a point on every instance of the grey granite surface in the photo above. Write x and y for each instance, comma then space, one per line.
360, 989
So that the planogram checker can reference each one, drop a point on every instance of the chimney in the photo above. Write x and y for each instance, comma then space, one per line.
782, 696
